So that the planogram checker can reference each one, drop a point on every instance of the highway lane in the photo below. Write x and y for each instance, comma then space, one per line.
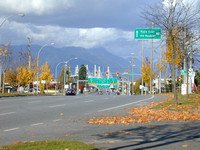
34, 111
38, 118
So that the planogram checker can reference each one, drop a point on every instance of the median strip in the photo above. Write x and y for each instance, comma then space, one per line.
126, 104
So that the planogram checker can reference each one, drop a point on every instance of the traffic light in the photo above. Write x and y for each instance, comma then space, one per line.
106, 73
96, 73
117, 74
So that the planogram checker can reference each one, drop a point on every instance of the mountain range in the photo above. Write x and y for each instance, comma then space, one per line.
94, 56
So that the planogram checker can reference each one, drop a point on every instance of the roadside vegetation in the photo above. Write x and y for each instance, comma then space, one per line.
21, 94
186, 110
185, 104
49, 145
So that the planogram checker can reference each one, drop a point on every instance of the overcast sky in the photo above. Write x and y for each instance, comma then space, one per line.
81, 23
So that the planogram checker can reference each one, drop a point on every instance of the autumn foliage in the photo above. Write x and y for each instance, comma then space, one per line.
147, 114
173, 48
146, 72
24, 75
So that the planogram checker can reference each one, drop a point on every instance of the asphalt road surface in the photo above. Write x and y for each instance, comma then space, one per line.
63, 117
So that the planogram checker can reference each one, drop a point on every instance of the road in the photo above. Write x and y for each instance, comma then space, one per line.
61, 117
36, 110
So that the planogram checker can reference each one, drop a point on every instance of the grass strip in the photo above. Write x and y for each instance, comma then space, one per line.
184, 103
49, 145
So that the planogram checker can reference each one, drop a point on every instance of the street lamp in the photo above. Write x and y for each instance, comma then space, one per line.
65, 72
56, 75
38, 61
20, 15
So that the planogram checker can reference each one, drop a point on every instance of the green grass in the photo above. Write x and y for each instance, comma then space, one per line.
12, 94
184, 103
23, 94
49, 145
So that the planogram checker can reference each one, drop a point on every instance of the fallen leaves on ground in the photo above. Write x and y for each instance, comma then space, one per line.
17, 142
67, 135
185, 146
146, 114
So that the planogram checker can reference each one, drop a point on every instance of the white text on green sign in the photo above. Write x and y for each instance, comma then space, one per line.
102, 80
154, 33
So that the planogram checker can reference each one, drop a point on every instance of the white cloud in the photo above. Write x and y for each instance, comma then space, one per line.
38, 7
168, 2
79, 37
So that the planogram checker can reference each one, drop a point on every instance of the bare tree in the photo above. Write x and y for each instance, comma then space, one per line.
5, 58
173, 17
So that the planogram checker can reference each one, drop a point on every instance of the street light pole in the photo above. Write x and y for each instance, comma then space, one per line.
56, 76
65, 72
20, 15
38, 62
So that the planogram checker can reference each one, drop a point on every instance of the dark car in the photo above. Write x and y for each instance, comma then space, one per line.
70, 92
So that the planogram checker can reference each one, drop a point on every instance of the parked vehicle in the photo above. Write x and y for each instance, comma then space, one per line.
70, 92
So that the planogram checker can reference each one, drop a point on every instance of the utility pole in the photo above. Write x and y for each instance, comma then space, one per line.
128, 80
151, 68
160, 73
142, 65
123, 84
29, 57
132, 63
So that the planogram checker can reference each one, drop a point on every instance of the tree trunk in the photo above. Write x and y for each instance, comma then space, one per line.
174, 71
3, 86
174, 85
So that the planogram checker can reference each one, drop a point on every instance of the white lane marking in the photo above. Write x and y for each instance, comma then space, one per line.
57, 120
11, 129
3, 114
34, 102
106, 98
57, 106
125, 104
37, 124
89, 101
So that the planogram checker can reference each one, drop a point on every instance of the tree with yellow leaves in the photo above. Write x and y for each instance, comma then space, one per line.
175, 18
172, 43
24, 75
137, 87
45, 74
146, 72
11, 77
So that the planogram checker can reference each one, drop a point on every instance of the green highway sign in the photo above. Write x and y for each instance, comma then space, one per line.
131, 74
183, 72
154, 33
102, 80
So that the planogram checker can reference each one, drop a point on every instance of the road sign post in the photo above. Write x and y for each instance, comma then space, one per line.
152, 33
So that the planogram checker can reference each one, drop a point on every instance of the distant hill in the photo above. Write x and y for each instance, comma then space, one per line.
94, 56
